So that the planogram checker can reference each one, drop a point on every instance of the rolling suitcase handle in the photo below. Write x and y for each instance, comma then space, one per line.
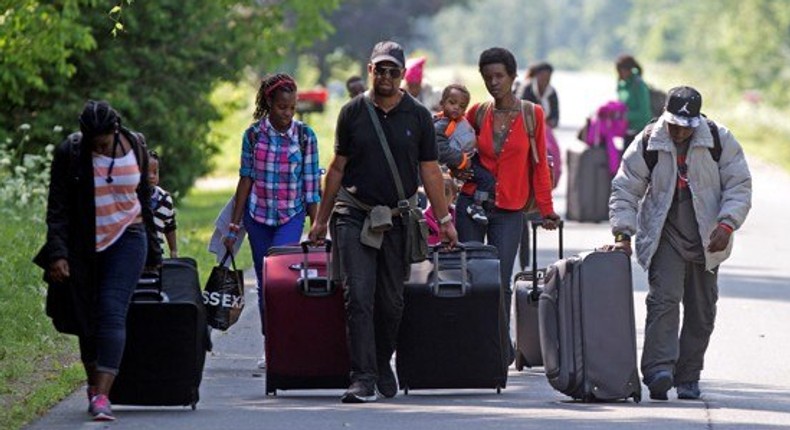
438, 286
535, 294
304, 282
149, 288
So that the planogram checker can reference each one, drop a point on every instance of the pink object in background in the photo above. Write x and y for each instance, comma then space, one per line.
553, 150
414, 69
433, 225
609, 122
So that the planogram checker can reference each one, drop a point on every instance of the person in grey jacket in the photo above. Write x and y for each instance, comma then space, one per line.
682, 197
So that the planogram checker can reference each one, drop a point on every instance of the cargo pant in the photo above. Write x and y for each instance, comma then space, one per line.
674, 280
373, 281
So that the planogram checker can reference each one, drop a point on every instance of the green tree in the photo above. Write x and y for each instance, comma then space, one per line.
160, 70
740, 44
568, 32
359, 24
37, 40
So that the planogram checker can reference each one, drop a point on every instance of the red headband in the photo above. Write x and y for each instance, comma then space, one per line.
279, 84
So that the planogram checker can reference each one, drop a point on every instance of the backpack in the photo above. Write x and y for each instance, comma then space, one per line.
651, 156
254, 136
75, 148
658, 99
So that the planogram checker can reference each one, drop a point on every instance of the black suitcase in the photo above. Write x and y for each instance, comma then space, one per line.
528, 285
166, 340
587, 329
589, 185
453, 332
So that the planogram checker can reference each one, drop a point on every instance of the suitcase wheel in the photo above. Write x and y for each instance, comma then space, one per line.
405, 391
637, 397
194, 406
499, 390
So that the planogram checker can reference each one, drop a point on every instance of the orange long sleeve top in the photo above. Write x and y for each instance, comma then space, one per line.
512, 167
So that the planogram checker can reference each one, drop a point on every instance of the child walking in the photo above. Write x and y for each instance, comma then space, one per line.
455, 138
162, 205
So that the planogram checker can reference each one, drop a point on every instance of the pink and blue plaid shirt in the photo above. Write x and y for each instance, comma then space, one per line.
285, 176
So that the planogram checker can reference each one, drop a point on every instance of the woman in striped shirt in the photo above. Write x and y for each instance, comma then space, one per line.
100, 235
279, 176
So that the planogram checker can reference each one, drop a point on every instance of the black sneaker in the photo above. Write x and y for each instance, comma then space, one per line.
658, 384
359, 392
386, 384
477, 213
688, 390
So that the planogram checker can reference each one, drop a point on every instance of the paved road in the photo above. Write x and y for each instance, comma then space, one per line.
746, 382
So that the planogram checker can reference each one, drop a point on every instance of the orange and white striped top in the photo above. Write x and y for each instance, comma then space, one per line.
117, 205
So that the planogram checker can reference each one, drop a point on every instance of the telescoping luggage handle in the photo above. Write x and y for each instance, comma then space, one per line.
534, 225
304, 285
438, 286
149, 288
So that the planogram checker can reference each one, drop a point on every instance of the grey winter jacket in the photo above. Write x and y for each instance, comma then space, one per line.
721, 192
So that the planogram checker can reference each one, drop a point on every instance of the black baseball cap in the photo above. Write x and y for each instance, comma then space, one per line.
683, 107
388, 51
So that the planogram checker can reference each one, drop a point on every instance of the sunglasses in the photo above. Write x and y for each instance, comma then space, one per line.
392, 72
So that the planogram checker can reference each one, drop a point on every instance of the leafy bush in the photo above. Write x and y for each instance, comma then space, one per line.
24, 178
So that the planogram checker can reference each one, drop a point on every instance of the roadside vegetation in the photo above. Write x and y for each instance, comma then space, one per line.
195, 101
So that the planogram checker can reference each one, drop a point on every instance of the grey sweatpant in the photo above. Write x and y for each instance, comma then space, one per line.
672, 280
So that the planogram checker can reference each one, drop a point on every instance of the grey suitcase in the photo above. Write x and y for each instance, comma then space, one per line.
453, 331
528, 286
589, 185
587, 329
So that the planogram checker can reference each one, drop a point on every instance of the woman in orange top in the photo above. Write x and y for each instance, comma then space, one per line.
503, 147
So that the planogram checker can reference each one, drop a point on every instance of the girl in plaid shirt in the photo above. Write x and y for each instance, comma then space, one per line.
279, 175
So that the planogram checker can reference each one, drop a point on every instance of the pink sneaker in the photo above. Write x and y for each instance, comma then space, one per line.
91, 390
100, 408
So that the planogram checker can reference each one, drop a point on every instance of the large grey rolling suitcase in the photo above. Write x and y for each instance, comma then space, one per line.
528, 286
589, 185
453, 331
587, 330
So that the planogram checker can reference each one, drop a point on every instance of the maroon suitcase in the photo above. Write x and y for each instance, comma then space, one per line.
305, 321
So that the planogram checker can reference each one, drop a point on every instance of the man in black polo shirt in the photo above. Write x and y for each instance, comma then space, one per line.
373, 260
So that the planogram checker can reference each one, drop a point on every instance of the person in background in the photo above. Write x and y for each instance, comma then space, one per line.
504, 149
417, 87
538, 89
355, 86
100, 238
360, 186
279, 177
450, 193
633, 91
684, 207
457, 144
162, 206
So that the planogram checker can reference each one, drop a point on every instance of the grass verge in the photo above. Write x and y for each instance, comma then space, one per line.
35, 360
38, 366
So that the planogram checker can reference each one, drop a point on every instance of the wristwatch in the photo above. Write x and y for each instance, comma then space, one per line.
446, 219
621, 237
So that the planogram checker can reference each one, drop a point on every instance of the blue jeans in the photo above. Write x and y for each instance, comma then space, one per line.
503, 231
118, 269
262, 237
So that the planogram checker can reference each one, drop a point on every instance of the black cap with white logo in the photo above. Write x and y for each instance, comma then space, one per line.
683, 107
